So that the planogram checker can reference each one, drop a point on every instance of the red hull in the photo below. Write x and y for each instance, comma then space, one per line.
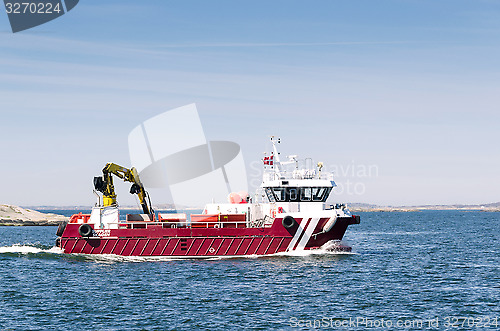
160, 239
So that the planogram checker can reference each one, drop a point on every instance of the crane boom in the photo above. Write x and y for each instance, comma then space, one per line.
105, 185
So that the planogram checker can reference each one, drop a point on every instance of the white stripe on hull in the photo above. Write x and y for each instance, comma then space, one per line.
307, 235
296, 237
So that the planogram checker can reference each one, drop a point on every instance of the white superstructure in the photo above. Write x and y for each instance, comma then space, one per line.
295, 187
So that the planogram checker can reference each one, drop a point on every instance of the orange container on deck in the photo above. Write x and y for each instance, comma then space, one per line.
172, 217
204, 218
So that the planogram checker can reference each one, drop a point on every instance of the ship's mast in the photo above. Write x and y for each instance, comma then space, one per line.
276, 161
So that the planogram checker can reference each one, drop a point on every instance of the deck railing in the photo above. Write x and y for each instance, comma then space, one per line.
192, 225
311, 174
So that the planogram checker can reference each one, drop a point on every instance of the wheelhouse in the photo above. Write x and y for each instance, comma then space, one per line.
298, 194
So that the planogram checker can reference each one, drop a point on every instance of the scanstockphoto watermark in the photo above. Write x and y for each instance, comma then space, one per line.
350, 178
26, 14
364, 322
454, 322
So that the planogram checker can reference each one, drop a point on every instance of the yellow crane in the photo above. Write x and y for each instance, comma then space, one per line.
104, 184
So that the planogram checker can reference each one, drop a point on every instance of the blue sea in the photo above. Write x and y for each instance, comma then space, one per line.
431, 270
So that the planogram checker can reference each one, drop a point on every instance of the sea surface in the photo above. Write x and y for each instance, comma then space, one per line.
431, 270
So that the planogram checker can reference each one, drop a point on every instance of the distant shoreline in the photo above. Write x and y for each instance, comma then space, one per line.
361, 207
414, 210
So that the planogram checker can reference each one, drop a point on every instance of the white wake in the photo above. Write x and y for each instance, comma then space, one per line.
27, 249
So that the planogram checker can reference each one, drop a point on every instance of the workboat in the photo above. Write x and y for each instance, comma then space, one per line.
288, 213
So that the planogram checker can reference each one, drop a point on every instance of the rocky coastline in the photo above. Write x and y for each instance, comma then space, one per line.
16, 216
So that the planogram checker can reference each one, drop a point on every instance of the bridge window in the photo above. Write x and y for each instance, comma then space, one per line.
318, 193
296, 194
305, 194
292, 194
327, 193
279, 194
270, 195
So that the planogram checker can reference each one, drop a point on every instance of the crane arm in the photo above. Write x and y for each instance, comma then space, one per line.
105, 185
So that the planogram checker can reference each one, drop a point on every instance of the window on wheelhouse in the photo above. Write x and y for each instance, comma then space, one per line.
327, 194
296, 194
305, 194
292, 194
270, 195
279, 194
318, 193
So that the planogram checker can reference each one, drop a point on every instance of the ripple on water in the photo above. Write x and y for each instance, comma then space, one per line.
406, 265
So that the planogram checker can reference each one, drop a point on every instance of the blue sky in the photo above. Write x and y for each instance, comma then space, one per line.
408, 87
